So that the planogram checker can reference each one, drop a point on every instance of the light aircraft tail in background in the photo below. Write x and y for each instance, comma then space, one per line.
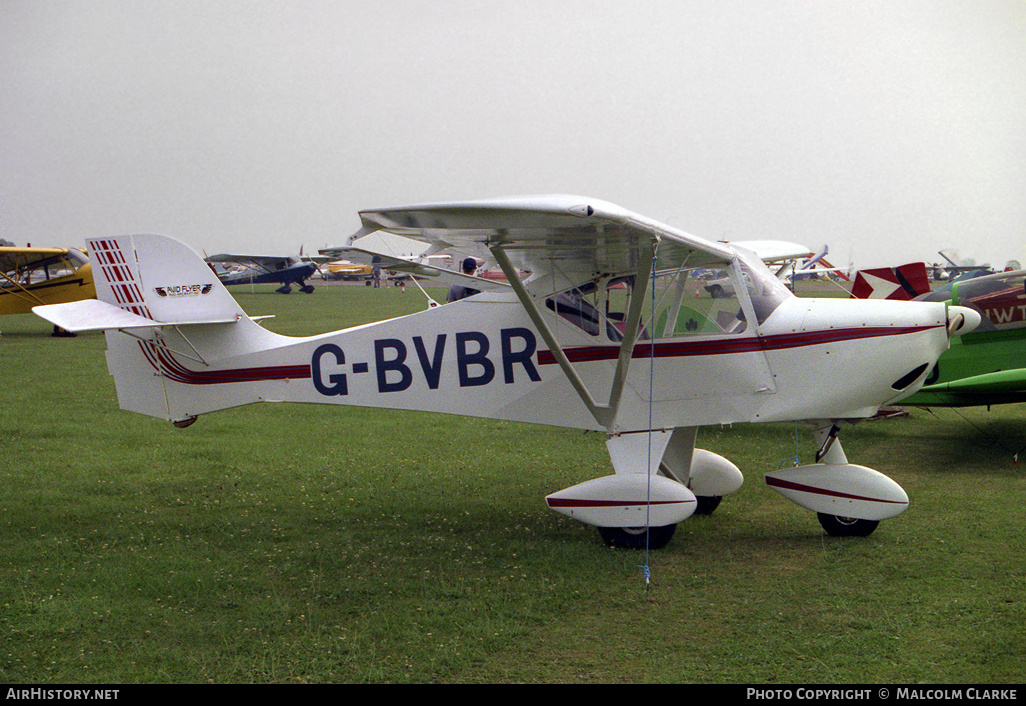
608, 333
904, 282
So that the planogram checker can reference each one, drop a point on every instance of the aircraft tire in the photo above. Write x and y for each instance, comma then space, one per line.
837, 526
637, 537
707, 504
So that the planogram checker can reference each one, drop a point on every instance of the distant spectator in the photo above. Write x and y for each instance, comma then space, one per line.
458, 291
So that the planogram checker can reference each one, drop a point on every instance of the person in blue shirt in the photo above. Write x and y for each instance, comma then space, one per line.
458, 291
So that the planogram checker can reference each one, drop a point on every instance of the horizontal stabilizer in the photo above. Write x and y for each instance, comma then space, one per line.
95, 315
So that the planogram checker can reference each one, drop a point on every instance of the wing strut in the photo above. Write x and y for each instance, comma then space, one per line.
604, 414
18, 288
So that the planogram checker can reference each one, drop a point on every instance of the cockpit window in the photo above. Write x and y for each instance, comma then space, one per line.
77, 257
38, 271
680, 302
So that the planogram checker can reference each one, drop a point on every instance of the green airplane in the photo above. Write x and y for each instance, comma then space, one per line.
987, 366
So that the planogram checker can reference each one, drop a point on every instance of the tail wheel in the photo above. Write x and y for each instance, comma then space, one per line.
637, 537
837, 526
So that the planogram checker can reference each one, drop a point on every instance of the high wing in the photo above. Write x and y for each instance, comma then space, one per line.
264, 263
793, 261
774, 252
560, 240
14, 258
564, 241
568, 239
34, 276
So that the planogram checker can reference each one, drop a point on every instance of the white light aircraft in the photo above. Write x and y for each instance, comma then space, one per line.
608, 333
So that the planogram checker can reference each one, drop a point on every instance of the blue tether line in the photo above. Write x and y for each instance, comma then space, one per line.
646, 571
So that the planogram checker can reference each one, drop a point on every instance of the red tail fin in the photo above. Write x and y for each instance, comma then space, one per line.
904, 282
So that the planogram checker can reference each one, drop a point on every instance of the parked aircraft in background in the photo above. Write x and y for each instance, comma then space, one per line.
265, 269
904, 282
605, 334
344, 269
401, 258
814, 267
955, 269
985, 367
33, 276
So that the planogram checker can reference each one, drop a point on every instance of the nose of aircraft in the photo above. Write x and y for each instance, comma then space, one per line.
962, 320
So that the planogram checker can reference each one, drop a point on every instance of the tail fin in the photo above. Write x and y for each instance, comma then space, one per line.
904, 282
169, 322
160, 279
146, 280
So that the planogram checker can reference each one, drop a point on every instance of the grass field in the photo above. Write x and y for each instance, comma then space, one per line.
291, 543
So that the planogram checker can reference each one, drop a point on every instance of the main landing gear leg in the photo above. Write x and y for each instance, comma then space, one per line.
830, 451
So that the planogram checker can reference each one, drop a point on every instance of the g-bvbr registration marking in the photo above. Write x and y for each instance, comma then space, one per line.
395, 368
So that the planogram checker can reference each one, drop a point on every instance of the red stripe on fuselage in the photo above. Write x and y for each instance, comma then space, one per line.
169, 366
727, 344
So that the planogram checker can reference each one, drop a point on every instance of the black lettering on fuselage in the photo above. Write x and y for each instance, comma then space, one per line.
336, 382
524, 357
432, 368
396, 364
479, 358
474, 367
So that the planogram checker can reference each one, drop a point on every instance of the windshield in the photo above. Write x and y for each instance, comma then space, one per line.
765, 289
681, 302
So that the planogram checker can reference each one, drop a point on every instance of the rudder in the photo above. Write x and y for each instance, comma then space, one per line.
159, 278
187, 323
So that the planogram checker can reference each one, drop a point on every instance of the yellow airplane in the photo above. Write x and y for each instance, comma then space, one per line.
33, 276
344, 269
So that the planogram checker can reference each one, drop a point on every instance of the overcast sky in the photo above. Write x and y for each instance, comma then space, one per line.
885, 130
